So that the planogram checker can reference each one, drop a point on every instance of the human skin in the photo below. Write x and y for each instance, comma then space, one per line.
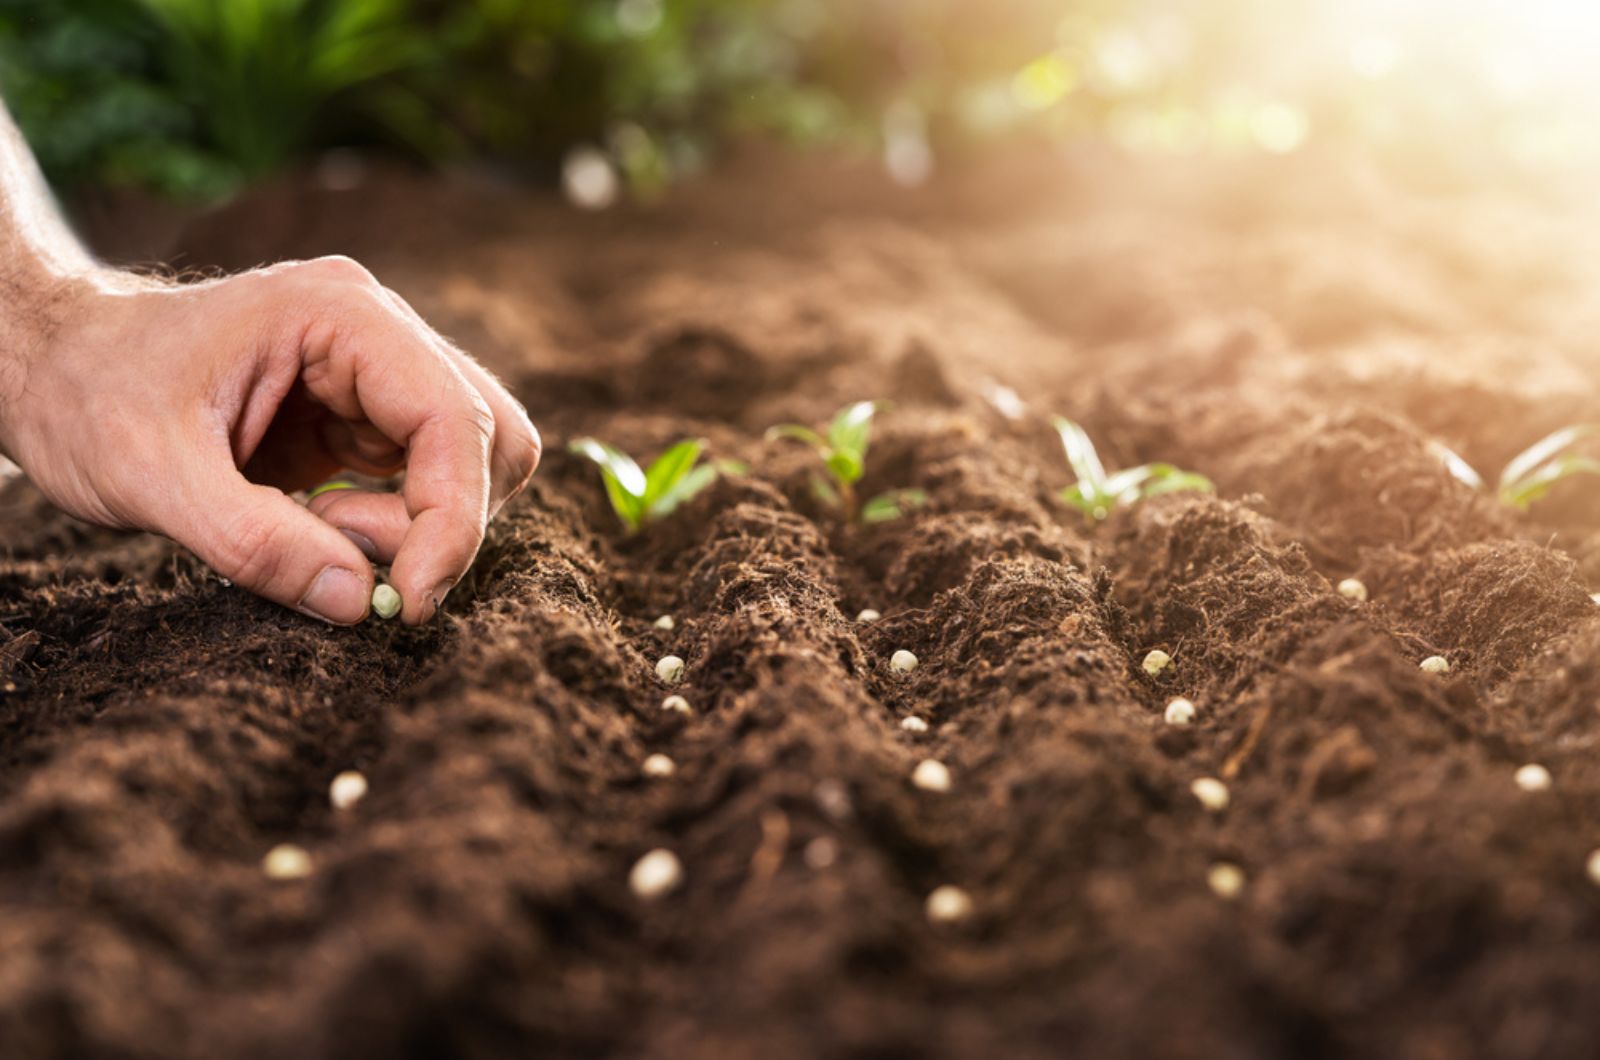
193, 410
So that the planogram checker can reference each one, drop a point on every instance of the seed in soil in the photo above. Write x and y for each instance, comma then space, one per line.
844, 459
1593, 867
386, 601
656, 874
1180, 712
833, 799
912, 723
1533, 777
658, 765
347, 789
667, 623
640, 497
1212, 793
1353, 589
676, 705
1595, 597
1225, 879
902, 662
948, 905
1155, 662
286, 861
1435, 664
670, 669
931, 775
1097, 494
821, 852
868, 615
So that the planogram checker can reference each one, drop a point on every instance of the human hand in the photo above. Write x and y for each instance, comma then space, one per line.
190, 410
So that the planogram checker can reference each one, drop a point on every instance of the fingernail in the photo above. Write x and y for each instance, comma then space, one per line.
436, 598
339, 595
363, 542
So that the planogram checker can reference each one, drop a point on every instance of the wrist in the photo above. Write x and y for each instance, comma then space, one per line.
34, 304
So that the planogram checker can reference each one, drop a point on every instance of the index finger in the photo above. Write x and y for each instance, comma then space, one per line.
361, 358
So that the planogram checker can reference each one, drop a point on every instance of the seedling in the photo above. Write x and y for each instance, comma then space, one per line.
843, 453
1097, 494
1532, 472
639, 496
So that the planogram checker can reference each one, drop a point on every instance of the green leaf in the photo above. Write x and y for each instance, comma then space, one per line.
892, 505
1462, 471
1532, 486
851, 430
1086, 504
1164, 478
845, 467
1081, 455
682, 490
824, 491
1527, 462
668, 468
625, 483
795, 432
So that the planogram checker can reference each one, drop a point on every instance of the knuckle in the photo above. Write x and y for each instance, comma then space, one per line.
252, 553
523, 449
338, 269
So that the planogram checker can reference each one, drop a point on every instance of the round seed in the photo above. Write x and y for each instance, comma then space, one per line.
902, 662
1533, 777
948, 905
1212, 793
286, 861
386, 601
868, 615
347, 789
1353, 589
1155, 662
821, 852
931, 775
1180, 712
677, 705
912, 723
666, 622
658, 766
1595, 597
670, 669
1593, 867
1225, 879
1435, 664
656, 874
833, 799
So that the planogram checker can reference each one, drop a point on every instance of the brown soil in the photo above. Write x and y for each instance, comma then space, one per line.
1294, 334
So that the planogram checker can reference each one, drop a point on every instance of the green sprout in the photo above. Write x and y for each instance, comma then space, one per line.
844, 457
1532, 472
640, 496
1097, 494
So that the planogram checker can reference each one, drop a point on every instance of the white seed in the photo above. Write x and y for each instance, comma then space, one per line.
947, 905
1156, 662
677, 705
1225, 879
1435, 664
931, 775
286, 862
1353, 589
1533, 777
1593, 867
1595, 597
902, 662
1180, 712
868, 615
657, 873
670, 669
385, 601
658, 766
666, 622
347, 789
821, 852
912, 723
833, 799
1212, 793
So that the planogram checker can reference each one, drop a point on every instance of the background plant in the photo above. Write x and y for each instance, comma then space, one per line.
1097, 494
641, 496
843, 452
1531, 473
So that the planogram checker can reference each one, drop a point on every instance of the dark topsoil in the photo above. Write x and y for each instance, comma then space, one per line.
1294, 333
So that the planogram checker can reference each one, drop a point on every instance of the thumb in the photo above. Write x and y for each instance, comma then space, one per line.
259, 538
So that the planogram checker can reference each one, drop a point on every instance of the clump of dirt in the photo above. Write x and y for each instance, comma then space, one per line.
1402, 896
